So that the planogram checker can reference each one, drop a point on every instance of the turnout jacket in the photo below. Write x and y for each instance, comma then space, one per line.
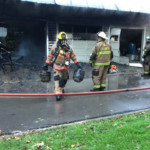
101, 54
147, 50
62, 57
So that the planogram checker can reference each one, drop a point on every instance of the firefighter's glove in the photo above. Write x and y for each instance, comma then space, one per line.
45, 67
79, 65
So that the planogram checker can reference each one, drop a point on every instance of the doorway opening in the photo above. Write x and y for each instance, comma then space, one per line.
130, 44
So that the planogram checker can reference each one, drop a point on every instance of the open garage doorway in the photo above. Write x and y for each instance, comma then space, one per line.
130, 44
32, 42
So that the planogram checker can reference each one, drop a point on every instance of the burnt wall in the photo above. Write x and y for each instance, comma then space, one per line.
25, 40
15, 9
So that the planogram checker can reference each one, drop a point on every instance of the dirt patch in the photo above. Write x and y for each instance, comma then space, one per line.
25, 78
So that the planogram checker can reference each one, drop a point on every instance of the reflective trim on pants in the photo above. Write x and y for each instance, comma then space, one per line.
103, 85
146, 72
97, 86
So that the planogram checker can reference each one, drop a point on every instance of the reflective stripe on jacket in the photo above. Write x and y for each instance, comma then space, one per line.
147, 50
59, 67
101, 54
62, 57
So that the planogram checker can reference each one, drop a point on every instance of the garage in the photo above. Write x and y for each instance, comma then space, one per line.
130, 44
127, 44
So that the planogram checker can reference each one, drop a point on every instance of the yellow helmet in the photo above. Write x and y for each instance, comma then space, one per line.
62, 36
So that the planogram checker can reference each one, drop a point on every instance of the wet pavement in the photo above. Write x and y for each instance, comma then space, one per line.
23, 113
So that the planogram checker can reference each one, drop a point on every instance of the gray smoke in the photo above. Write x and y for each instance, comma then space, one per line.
31, 52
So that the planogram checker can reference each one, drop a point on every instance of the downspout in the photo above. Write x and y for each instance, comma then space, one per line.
47, 39
57, 30
109, 35
143, 43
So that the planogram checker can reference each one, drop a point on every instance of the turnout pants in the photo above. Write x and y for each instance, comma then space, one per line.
60, 79
147, 65
99, 74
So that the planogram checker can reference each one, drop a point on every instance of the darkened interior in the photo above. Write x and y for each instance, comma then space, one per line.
130, 43
27, 40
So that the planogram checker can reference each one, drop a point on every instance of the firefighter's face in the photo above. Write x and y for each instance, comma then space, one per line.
99, 39
63, 42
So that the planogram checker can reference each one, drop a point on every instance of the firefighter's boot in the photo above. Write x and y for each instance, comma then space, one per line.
94, 90
145, 75
58, 97
101, 88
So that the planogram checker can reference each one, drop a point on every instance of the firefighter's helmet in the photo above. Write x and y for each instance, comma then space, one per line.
62, 36
102, 35
148, 38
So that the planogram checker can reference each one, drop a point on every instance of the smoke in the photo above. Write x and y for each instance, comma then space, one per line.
23, 49
31, 52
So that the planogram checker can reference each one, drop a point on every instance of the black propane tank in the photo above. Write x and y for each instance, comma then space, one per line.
78, 75
45, 76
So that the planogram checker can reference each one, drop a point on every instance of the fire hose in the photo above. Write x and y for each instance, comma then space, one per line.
76, 93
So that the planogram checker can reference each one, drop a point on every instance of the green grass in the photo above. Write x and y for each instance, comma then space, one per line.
128, 132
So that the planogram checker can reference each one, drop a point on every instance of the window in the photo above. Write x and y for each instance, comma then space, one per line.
94, 30
81, 32
65, 27
114, 38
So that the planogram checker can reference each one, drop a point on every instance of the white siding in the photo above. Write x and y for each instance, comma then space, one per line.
82, 49
147, 31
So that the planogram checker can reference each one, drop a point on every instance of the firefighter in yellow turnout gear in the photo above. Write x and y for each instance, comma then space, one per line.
146, 57
100, 61
59, 58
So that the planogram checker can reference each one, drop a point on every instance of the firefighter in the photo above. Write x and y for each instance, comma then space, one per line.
100, 61
59, 58
146, 57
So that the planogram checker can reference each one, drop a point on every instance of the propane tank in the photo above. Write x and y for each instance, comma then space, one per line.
78, 75
45, 76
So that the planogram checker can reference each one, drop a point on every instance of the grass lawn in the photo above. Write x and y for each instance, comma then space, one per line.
127, 132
